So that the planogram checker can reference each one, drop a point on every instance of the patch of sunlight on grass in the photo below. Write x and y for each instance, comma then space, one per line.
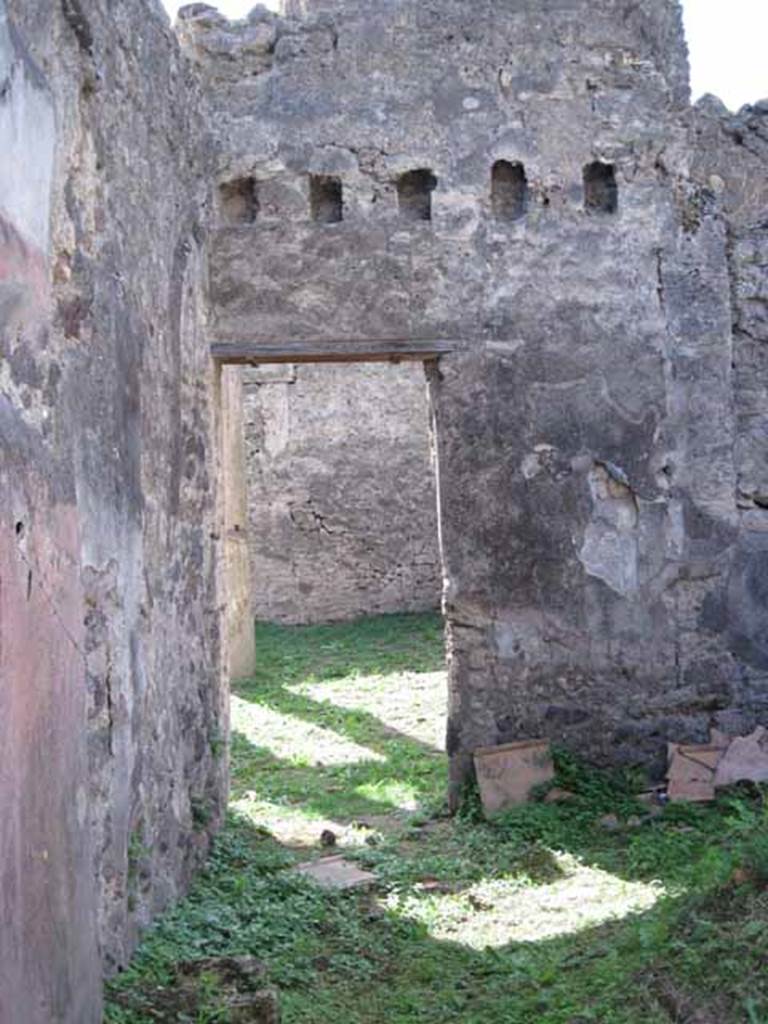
411, 703
396, 794
496, 912
295, 827
294, 740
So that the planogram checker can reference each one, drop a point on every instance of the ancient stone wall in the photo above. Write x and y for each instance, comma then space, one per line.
111, 702
517, 177
342, 514
729, 159
729, 154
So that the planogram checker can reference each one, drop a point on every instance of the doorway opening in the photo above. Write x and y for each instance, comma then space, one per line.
338, 733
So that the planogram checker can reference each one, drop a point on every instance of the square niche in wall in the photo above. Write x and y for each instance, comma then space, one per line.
239, 201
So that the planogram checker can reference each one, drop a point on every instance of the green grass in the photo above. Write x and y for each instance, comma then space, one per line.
542, 916
301, 670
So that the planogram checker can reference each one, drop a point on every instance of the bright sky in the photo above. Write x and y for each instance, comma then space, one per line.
727, 38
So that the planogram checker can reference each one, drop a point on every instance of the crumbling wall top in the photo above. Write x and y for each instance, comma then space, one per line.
627, 37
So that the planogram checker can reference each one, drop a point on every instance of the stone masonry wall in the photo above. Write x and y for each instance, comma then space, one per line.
112, 700
518, 177
342, 508
730, 160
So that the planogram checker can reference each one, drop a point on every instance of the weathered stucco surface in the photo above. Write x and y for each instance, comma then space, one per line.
111, 695
239, 611
601, 583
341, 492
48, 946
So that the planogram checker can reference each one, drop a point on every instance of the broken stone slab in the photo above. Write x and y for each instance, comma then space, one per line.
335, 873
691, 772
507, 774
697, 771
745, 760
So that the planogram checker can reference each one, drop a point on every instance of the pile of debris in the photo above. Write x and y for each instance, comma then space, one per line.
697, 771
217, 988
510, 774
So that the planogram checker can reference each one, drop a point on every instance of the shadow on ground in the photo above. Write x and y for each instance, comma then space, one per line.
398, 661
550, 915
356, 958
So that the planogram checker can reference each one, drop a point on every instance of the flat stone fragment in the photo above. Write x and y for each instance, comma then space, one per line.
691, 773
746, 760
507, 774
335, 873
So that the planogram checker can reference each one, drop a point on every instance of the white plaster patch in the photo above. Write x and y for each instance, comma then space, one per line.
27, 137
535, 461
610, 548
531, 466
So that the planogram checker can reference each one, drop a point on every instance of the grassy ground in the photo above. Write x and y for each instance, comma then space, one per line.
546, 916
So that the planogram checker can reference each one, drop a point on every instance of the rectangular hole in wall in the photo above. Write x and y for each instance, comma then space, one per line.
414, 193
509, 190
239, 201
326, 201
601, 193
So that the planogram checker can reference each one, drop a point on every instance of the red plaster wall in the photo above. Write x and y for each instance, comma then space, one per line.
47, 927
49, 966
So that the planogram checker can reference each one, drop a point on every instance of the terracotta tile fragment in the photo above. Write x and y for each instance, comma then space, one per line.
691, 773
719, 739
507, 774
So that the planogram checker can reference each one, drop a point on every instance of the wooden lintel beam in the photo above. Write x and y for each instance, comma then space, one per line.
362, 351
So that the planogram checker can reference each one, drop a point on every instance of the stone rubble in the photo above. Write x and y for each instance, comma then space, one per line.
697, 771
